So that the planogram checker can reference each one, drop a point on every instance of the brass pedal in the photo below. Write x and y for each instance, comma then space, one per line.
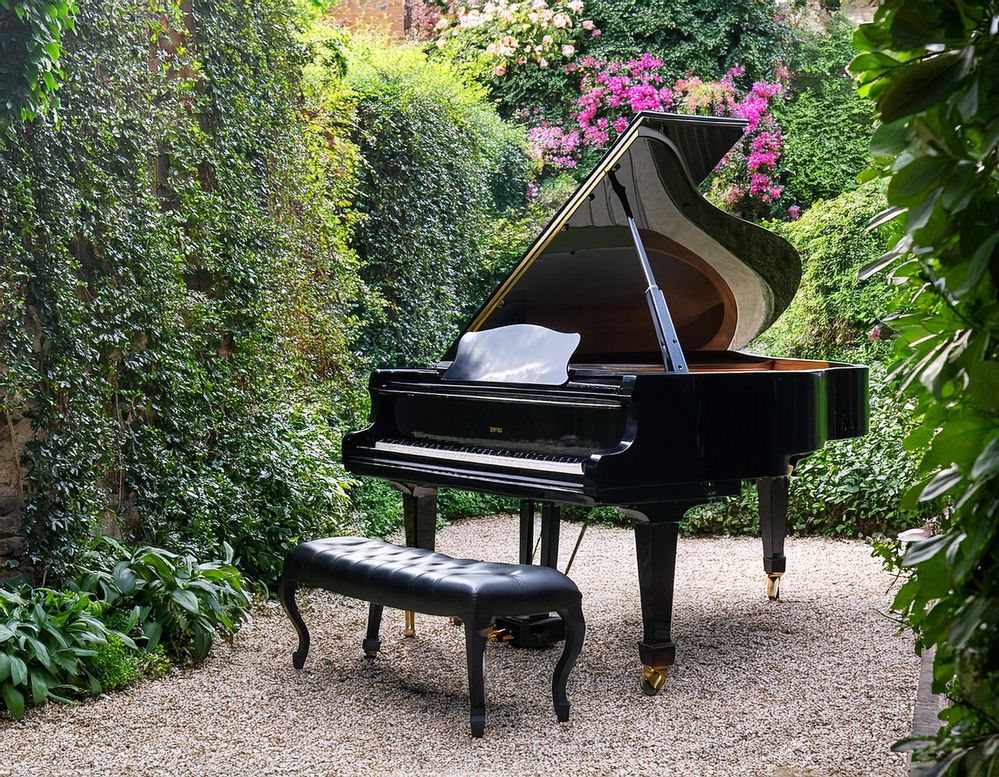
495, 634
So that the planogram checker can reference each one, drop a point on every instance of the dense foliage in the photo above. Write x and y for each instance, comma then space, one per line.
526, 52
826, 125
131, 616
440, 168
933, 70
174, 259
612, 93
31, 43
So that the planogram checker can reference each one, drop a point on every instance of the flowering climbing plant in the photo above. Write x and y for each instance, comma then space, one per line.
503, 36
611, 93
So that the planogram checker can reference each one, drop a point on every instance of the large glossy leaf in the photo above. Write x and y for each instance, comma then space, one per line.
918, 85
910, 184
14, 700
943, 482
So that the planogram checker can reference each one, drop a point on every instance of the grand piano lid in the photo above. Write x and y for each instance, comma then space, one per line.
725, 280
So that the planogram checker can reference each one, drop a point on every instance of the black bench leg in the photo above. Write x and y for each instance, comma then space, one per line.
371, 642
575, 631
286, 593
475, 654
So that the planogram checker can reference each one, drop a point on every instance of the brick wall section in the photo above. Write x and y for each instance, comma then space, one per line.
11, 494
390, 16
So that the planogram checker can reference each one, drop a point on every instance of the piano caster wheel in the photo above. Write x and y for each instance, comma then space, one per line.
653, 678
409, 630
773, 586
455, 620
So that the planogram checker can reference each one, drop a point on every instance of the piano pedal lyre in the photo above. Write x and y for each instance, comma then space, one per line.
773, 586
653, 679
409, 629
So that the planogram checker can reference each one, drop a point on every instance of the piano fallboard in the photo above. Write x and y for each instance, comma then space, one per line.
610, 435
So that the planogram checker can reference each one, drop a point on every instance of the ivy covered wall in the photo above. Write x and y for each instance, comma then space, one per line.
175, 260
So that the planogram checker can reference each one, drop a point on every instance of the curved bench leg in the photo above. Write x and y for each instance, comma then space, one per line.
475, 655
371, 642
575, 631
286, 593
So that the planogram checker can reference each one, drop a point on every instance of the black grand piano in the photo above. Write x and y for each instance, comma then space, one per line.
606, 369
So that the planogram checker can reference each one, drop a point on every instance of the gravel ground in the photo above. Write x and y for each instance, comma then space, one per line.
817, 684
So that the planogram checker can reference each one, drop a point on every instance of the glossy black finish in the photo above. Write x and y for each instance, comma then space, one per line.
624, 428
643, 438
424, 581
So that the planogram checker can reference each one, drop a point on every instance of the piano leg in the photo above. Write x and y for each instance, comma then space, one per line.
773, 526
551, 516
419, 512
656, 530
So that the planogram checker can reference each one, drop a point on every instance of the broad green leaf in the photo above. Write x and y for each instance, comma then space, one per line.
979, 264
918, 85
4, 666
968, 621
18, 671
14, 700
39, 688
202, 643
889, 139
910, 184
919, 552
185, 599
943, 482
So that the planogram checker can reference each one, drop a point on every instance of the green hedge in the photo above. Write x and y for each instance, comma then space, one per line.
440, 167
826, 125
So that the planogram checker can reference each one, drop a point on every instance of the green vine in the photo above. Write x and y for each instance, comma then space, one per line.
175, 270
31, 44
933, 69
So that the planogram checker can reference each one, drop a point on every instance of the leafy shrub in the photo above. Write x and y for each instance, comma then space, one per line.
834, 310
704, 36
440, 166
932, 68
827, 125
172, 599
49, 640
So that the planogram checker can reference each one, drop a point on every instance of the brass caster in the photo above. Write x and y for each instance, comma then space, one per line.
653, 679
773, 586
498, 635
409, 630
455, 620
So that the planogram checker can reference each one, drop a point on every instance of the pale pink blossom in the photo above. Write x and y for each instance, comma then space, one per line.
595, 33
568, 50
441, 25
588, 24
499, 70
560, 20
575, 5
542, 63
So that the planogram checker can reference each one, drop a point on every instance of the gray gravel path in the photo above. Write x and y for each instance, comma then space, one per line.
817, 684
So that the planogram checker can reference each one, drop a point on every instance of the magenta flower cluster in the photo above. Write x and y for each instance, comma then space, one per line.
612, 92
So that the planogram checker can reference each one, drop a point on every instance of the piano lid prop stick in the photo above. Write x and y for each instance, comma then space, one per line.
669, 344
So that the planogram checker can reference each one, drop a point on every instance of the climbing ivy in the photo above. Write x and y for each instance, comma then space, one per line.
175, 271
31, 43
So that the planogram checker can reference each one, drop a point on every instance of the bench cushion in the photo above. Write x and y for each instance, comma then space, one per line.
428, 582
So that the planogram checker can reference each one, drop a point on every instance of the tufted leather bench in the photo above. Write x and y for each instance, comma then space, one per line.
420, 580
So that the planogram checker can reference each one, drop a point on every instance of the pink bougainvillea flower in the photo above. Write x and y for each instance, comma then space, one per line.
588, 24
595, 33
794, 213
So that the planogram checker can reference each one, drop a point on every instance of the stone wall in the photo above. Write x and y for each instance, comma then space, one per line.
388, 16
11, 494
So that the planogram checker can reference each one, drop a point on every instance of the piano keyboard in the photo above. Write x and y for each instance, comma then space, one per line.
569, 465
